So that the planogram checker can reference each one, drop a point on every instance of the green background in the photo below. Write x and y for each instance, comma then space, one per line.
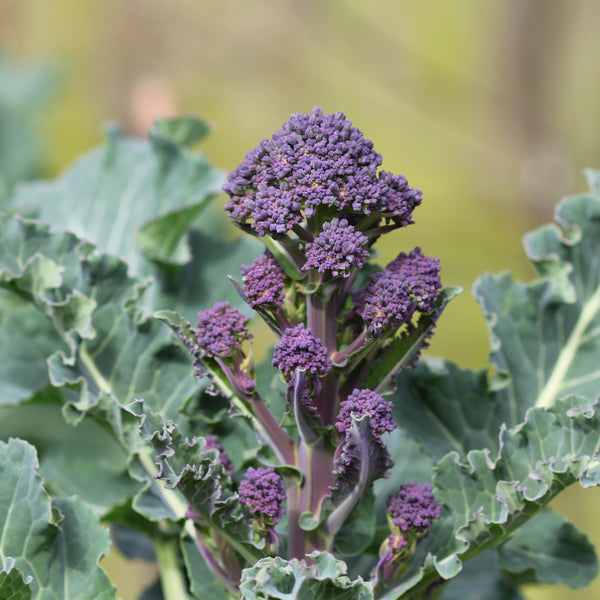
489, 107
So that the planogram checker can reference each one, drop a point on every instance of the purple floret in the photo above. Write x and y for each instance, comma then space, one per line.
410, 282
337, 249
263, 492
314, 159
220, 330
264, 281
413, 508
395, 198
362, 403
300, 349
212, 443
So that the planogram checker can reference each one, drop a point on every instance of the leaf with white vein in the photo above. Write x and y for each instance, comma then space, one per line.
56, 545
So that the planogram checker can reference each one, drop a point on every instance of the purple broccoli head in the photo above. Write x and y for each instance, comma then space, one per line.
262, 490
315, 159
413, 508
263, 281
300, 349
337, 249
220, 330
410, 282
361, 403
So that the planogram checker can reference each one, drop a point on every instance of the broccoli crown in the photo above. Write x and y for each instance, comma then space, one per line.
337, 249
220, 330
300, 349
314, 159
410, 282
263, 281
263, 492
413, 508
361, 403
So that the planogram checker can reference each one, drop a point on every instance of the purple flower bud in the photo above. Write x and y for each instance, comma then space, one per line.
362, 403
263, 492
220, 330
337, 249
212, 443
263, 281
314, 159
395, 198
413, 508
410, 282
421, 275
300, 349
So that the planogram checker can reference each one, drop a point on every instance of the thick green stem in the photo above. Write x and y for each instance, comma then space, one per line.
173, 583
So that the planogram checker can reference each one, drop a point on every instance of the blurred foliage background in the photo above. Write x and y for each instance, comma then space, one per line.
487, 106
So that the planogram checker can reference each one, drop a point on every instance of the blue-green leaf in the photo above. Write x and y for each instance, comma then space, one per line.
325, 579
58, 544
553, 549
130, 186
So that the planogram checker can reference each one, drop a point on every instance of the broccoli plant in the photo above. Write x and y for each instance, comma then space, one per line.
342, 466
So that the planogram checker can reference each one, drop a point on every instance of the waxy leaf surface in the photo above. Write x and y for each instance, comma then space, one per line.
56, 543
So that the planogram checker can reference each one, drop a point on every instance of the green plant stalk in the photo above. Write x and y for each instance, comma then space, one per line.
174, 586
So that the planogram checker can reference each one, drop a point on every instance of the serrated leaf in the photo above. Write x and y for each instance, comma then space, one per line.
546, 335
486, 498
553, 549
112, 192
114, 352
325, 579
13, 586
199, 475
54, 543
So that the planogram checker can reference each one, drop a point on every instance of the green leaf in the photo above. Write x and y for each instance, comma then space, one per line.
199, 475
326, 579
178, 132
86, 460
12, 583
404, 350
481, 578
487, 498
204, 585
203, 281
359, 528
553, 549
546, 335
126, 186
450, 409
24, 92
58, 544
115, 353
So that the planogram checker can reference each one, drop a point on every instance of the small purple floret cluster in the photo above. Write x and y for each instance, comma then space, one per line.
366, 403
263, 282
300, 349
262, 490
337, 249
410, 282
314, 160
220, 330
413, 508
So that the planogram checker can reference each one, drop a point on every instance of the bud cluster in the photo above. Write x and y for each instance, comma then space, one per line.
314, 195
